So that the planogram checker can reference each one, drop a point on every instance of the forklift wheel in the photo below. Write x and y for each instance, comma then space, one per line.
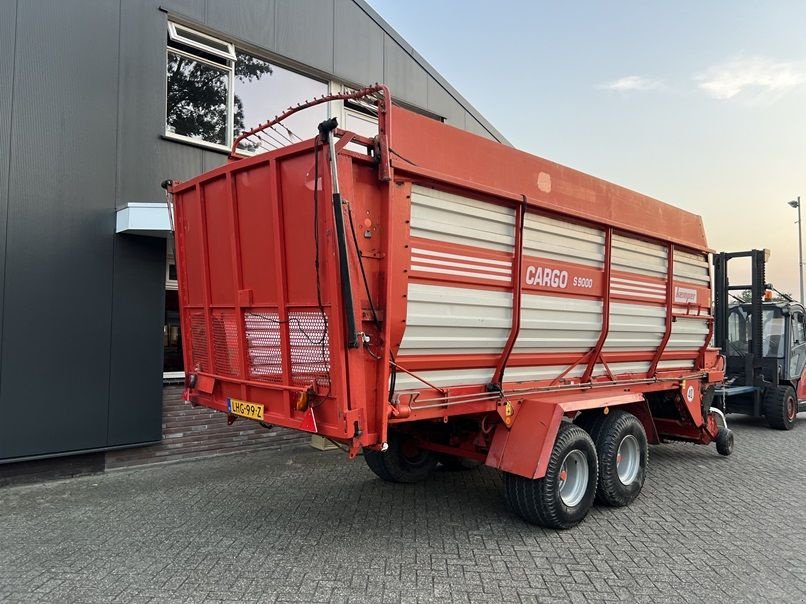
724, 442
780, 406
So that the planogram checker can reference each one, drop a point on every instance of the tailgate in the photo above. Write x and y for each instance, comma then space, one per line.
258, 319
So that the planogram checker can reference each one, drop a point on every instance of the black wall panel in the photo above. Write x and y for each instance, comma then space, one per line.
135, 391
58, 299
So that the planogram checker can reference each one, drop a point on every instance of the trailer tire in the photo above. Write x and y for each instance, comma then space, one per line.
622, 449
588, 419
403, 461
780, 407
559, 500
724, 442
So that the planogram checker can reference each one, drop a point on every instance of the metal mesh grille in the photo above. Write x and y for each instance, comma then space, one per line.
225, 343
198, 342
263, 344
310, 356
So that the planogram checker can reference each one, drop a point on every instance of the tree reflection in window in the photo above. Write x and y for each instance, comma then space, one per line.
197, 99
212, 98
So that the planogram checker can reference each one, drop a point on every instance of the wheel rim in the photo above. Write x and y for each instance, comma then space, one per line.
791, 408
413, 455
573, 478
628, 459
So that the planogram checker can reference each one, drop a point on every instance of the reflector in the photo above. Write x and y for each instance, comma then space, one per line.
309, 421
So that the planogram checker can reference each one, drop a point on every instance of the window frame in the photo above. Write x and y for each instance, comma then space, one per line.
229, 68
174, 35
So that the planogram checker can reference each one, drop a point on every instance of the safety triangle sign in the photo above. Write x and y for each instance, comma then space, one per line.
309, 421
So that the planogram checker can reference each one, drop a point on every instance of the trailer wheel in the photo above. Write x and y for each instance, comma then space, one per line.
622, 449
724, 442
562, 498
588, 419
780, 407
403, 461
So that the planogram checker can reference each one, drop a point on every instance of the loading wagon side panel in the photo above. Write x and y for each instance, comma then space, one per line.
591, 302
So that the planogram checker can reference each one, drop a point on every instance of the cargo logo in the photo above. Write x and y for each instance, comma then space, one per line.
685, 295
547, 277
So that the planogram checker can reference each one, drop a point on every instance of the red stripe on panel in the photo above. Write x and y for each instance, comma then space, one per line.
450, 262
476, 361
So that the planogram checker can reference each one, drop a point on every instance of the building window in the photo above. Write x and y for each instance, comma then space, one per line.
215, 92
200, 71
264, 90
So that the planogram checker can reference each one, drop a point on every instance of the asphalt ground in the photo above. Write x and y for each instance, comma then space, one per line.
299, 525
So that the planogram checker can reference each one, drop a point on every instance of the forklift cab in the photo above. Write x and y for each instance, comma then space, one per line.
783, 341
764, 344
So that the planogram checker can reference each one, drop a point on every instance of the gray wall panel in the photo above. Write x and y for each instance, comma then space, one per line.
141, 116
145, 158
212, 159
474, 126
176, 161
405, 78
135, 392
304, 32
194, 9
358, 45
252, 21
55, 347
442, 103
8, 18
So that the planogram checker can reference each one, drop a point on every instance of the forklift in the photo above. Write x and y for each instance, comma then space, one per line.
764, 345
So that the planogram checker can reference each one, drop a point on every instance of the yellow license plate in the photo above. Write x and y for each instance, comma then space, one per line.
245, 409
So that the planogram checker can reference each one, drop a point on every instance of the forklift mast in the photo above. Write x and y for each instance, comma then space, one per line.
722, 295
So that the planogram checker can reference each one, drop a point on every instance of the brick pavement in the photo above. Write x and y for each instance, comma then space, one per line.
298, 525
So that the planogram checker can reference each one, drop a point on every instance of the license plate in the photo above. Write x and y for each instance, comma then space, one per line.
245, 409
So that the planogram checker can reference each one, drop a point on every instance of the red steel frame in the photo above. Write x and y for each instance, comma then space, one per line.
356, 408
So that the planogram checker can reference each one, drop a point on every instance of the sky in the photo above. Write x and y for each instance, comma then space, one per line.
701, 104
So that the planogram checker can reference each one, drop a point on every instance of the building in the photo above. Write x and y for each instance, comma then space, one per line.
100, 102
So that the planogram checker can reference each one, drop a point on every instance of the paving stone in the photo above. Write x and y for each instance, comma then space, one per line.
298, 525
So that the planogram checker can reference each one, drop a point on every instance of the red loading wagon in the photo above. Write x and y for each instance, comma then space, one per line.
427, 295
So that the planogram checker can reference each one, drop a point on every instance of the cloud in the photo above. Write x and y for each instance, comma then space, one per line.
632, 83
756, 78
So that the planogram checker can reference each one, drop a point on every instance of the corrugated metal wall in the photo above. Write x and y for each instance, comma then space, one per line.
82, 109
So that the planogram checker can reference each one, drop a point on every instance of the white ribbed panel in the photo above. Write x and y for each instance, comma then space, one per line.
692, 267
676, 365
461, 265
640, 367
635, 327
687, 334
443, 378
638, 289
455, 219
636, 256
619, 368
558, 324
454, 320
559, 240
548, 372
